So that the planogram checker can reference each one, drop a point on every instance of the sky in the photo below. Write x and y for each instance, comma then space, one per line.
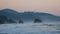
49, 6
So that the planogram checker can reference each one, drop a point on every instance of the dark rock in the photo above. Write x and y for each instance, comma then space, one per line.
21, 21
37, 21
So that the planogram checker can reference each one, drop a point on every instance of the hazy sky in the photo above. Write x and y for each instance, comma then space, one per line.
51, 6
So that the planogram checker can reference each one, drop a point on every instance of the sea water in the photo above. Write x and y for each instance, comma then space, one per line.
30, 28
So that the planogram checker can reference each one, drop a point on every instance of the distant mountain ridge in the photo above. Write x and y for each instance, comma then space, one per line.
28, 16
42, 16
9, 13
